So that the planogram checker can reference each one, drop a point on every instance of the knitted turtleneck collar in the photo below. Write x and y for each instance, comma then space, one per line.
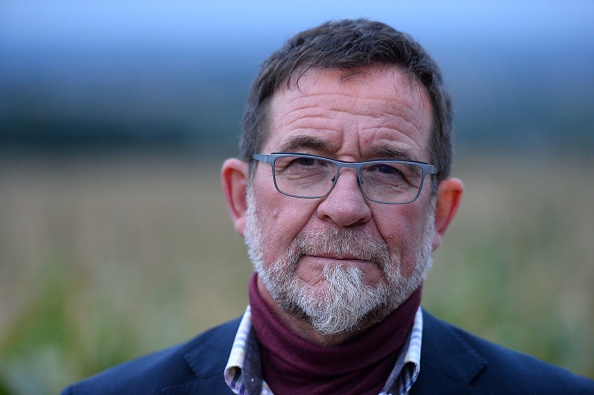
361, 365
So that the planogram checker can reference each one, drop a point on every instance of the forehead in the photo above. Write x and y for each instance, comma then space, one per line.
367, 113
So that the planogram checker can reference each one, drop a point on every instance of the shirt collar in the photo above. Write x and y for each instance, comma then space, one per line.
245, 351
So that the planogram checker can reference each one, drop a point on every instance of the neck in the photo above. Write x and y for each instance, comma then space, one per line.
360, 364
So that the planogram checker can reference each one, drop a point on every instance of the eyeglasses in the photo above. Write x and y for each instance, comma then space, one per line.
381, 181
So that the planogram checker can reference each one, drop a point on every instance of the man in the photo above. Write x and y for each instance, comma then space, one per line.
342, 193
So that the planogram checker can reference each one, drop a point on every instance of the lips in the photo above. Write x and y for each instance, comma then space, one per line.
335, 255
340, 257
349, 260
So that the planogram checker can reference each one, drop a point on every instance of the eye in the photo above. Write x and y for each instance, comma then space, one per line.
385, 168
305, 161
386, 174
301, 166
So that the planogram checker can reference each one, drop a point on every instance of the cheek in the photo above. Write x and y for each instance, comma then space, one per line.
281, 218
404, 232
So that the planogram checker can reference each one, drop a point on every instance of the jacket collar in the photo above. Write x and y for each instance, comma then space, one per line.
448, 362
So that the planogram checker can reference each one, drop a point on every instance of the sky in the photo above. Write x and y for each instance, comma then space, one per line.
96, 23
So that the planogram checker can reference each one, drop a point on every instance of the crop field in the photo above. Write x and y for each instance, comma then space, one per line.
108, 258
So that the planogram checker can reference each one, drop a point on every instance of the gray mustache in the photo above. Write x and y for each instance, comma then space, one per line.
343, 243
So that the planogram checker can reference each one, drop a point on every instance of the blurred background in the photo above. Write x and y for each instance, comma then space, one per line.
116, 116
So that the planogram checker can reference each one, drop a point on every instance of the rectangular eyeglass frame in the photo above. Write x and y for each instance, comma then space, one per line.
426, 169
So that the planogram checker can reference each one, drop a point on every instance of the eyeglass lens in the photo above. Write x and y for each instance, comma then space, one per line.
385, 182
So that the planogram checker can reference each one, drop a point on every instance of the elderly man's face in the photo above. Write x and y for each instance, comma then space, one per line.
342, 262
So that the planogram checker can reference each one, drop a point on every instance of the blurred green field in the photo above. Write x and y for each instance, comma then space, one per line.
103, 260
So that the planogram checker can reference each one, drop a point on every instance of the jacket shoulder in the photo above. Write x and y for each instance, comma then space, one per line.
450, 354
201, 357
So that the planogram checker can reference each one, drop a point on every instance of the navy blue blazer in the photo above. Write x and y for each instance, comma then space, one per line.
452, 362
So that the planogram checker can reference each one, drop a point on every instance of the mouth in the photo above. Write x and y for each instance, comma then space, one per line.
350, 260
339, 257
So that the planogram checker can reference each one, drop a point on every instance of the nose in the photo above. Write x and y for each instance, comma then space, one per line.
345, 205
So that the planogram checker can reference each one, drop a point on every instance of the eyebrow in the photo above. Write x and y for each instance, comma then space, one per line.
304, 142
396, 153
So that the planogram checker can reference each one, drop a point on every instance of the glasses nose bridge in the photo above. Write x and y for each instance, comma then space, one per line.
355, 166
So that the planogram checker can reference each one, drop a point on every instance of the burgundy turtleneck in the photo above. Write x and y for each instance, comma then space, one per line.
361, 365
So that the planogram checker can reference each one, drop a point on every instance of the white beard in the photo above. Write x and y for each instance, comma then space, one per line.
343, 301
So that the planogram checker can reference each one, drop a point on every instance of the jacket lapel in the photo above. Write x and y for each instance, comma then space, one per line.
207, 361
448, 362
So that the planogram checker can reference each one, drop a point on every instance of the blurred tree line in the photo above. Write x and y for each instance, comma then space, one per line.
527, 99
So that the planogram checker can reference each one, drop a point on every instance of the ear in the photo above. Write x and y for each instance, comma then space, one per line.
449, 195
234, 177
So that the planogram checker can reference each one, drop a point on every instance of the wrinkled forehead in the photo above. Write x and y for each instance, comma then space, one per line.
381, 99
